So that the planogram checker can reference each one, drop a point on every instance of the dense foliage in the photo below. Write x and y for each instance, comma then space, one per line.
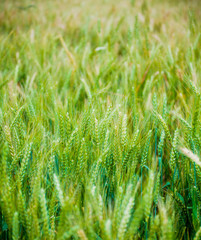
100, 129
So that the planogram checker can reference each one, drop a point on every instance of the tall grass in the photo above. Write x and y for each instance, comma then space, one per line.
100, 132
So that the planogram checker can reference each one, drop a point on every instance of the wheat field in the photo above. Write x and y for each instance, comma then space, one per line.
100, 125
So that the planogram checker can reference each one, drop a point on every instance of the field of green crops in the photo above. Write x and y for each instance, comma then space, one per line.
100, 119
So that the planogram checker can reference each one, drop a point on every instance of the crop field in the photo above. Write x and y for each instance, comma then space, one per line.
100, 119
